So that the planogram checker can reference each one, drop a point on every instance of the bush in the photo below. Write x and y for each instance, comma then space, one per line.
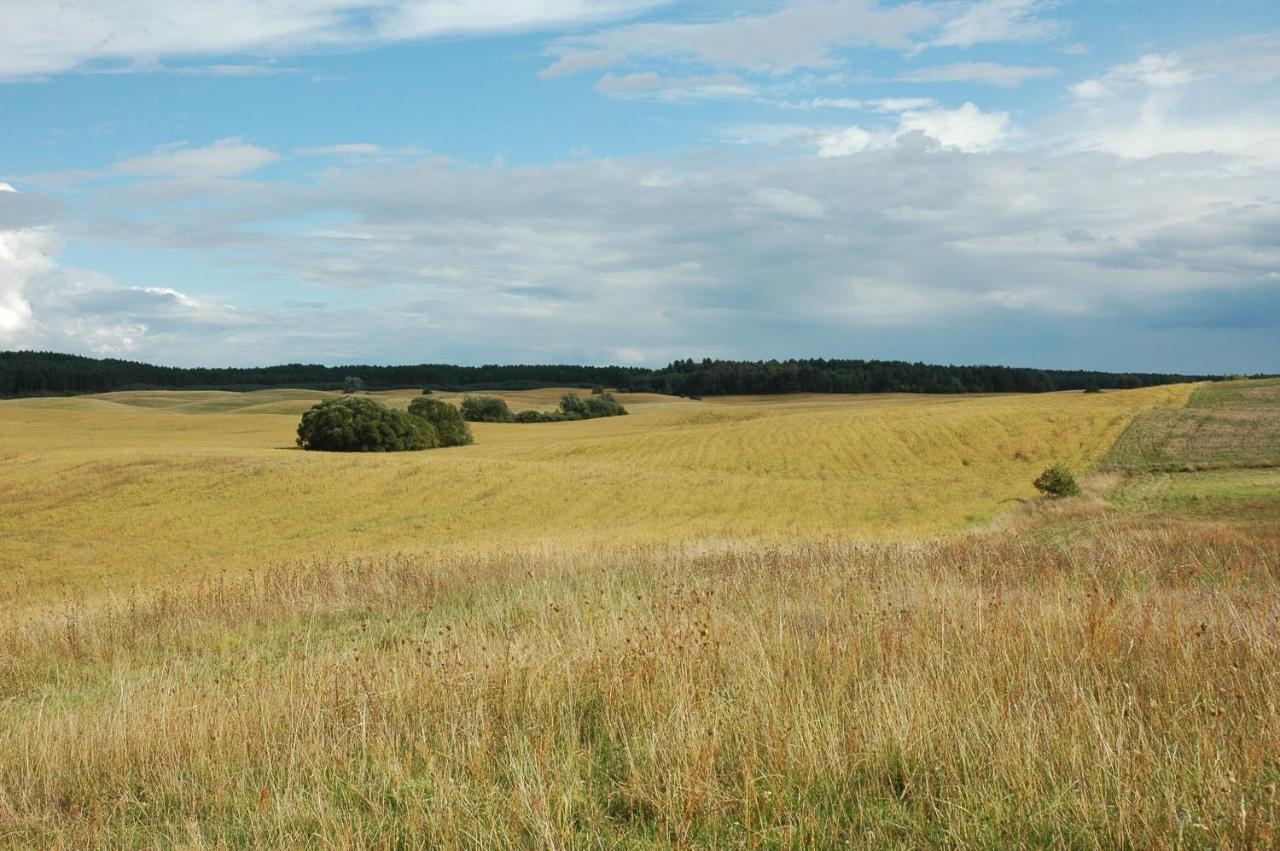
361, 424
596, 390
352, 384
1093, 388
575, 407
447, 420
485, 409
1057, 481
426, 391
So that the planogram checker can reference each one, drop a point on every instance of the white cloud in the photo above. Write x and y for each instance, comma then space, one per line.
990, 73
40, 37
844, 142
988, 21
224, 158
967, 128
1152, 70
650, 84
356, 149
576, 63
800, 35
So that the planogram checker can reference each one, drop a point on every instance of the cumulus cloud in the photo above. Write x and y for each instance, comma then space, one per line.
966, 128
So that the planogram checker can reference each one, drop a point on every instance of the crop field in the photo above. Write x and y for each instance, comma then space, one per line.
778, 622
1229, 424
137, 488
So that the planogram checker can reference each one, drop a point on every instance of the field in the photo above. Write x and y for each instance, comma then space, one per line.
777, 622
138, 488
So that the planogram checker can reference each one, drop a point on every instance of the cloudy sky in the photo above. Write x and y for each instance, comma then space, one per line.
1058, 183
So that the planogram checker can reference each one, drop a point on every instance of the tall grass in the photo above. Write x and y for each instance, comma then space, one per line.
1116, 689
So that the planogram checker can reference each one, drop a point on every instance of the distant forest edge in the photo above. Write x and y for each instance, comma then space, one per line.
26, 373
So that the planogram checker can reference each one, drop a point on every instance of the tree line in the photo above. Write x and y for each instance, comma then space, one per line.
27, 373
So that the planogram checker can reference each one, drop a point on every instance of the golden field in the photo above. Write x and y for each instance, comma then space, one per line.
742, 623
109, 491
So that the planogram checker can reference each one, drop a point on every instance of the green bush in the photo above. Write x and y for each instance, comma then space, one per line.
447, 420
361, 424
352, 384
1057, 481
485, 409
575, 407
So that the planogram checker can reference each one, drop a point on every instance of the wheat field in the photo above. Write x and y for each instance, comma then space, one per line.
137, 488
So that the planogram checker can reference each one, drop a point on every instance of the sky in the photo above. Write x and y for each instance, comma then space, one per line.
1052, 183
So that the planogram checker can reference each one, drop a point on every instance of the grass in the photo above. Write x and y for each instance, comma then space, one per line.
128, 488
624, 667
973, 691
1224, 425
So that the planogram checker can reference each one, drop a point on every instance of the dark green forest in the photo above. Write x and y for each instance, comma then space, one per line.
27, 373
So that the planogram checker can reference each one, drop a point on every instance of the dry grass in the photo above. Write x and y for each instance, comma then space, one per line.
1117, 689
133, 488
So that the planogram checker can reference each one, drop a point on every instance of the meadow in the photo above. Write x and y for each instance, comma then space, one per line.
786, 622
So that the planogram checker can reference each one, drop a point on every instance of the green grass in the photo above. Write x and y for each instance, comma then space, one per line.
1233, 424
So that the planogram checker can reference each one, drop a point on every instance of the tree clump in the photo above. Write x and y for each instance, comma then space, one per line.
450, 427
362, 424
1057, 481
485, 409
352, 384
575, 407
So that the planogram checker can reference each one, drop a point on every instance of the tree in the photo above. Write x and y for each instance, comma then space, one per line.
362, 424
352, 384
1057, 481
447, 420
485, 409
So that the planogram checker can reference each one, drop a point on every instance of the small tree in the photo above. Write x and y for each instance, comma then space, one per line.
352, 384
1057, 481
485, 409
1093, 388
597, 389
426, 391
361, 424
444, 418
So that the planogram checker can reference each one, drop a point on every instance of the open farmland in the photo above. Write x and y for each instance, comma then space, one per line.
313, 669
140, 488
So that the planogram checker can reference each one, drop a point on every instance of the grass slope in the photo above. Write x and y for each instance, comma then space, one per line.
146, 487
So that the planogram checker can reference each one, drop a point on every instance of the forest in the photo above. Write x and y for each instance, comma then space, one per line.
30, 373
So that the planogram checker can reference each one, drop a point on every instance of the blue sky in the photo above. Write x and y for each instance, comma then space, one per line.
1038, 182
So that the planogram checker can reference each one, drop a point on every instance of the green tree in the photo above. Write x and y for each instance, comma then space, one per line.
485, 409
352, 384
362, 424
1057, 481
447, 420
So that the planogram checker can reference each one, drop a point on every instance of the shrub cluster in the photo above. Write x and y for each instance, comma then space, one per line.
1057, 481
489, 409
361, 424
485, 409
